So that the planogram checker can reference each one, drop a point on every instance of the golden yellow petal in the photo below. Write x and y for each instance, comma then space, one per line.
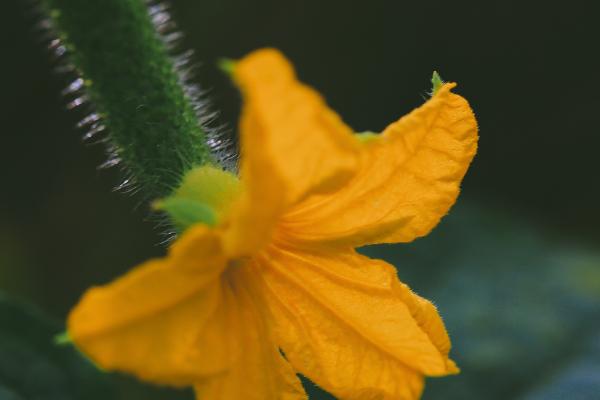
409, 179
292, 145
259, 372
289, 123
347, 323
157, 322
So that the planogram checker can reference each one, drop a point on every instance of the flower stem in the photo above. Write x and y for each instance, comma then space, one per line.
134, 85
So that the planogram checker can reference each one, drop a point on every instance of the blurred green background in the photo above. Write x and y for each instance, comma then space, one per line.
514, 268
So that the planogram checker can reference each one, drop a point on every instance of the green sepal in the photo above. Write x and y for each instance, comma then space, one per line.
186, 212
227, 65
436, 82
63, 339
204, 195
211, 186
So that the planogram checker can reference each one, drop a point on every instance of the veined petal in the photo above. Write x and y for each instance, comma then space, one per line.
259, 372
289, 123
158, 321
347, 323
292, 144
409, 179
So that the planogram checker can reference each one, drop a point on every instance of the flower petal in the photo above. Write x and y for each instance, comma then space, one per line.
292, 145
409, 179
347, 323
158, 321
289, 123
259, 372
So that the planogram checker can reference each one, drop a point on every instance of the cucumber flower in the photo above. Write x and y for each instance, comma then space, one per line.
264, 280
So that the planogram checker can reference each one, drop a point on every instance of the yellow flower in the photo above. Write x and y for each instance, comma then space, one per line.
273, 285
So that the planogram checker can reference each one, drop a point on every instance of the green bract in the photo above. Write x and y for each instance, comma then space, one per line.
205, 194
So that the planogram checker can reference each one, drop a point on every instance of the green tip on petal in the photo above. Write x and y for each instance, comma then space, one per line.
436, 82
227, 65
63, 339
365, 137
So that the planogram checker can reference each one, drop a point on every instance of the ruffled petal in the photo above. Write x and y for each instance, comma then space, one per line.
259, 372
292, 145
347, 323
409, 179
288, 123
159, 321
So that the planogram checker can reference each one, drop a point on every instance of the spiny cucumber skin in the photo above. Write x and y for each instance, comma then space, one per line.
152, 115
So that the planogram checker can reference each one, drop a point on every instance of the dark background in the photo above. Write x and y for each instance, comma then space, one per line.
527, 217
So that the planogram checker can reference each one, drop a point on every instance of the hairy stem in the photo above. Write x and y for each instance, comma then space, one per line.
132, 81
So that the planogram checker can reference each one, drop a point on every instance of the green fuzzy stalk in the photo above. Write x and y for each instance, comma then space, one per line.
132, 81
